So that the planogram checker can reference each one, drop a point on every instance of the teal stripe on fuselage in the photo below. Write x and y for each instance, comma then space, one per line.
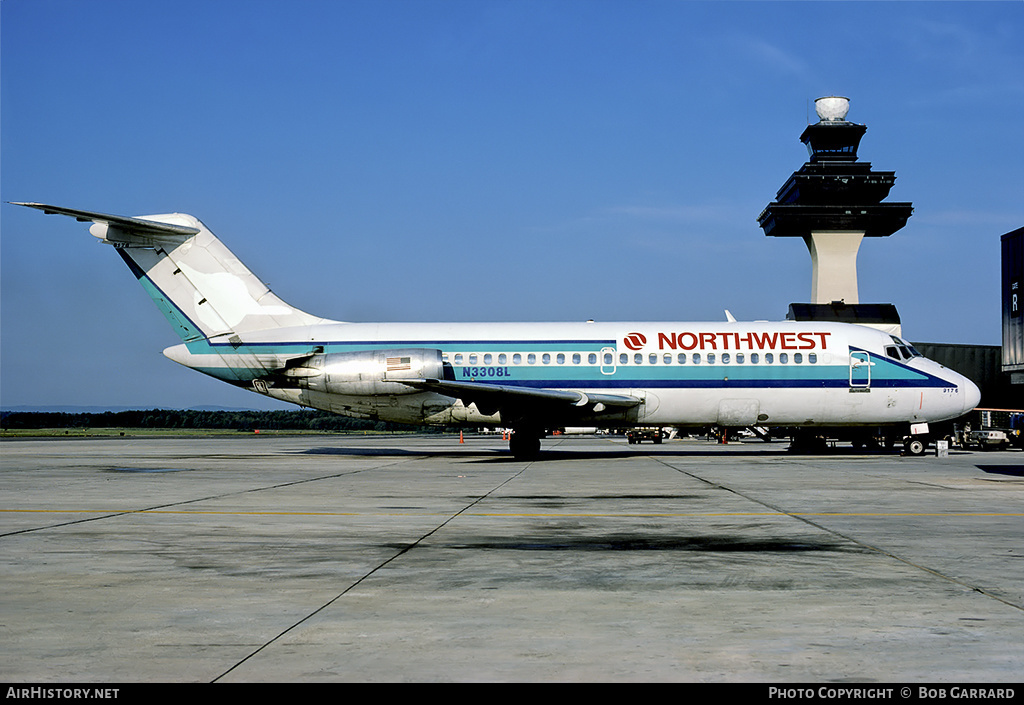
885, 373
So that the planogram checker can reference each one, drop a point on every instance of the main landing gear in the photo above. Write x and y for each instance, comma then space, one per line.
525, 443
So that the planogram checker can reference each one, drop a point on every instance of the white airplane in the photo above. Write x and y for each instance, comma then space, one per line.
531, 377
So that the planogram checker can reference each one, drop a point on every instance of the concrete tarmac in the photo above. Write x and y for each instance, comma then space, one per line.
417, 558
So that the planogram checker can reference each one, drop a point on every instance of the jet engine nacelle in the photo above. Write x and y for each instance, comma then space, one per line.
371, 372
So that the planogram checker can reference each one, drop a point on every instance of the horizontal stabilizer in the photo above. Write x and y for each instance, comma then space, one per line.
124, 225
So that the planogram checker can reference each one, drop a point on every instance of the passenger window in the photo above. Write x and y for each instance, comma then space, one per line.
725, 358
472, 358
517, 359
769, 358
531, 358
711, 358
812, 358
798, 358
696, 358
576, 359
592, 358
668, 358
638, 359
560, 358
623, 358
783, 358
546, 358
502, 358
754, 358
488, 358
681, 358
653, 358
458, 358
739, 358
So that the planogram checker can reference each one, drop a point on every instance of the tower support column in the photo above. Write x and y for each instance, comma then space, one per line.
834, 265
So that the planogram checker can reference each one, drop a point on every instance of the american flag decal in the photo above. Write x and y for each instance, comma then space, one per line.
397, 364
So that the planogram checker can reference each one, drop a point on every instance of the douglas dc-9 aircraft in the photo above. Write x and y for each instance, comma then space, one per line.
532, 377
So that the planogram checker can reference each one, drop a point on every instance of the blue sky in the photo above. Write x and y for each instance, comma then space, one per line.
431, 160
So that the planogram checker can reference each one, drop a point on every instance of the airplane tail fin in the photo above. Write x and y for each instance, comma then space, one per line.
198, 284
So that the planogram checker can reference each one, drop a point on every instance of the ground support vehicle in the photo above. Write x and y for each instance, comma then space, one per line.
638, 435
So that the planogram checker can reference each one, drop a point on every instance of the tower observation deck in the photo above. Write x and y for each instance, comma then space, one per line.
833, 202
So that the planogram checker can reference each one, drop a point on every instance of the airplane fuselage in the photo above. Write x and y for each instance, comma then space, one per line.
729, 374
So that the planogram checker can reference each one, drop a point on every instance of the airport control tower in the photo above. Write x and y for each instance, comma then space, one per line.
833, 202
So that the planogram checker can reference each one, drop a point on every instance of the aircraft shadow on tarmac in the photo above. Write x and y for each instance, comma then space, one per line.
1015, 470
372, 452
492, 455
639, 542
501, 456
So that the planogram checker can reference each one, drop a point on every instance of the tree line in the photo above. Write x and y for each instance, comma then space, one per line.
298, 420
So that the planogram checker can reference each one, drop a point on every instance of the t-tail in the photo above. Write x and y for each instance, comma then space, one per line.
202, 289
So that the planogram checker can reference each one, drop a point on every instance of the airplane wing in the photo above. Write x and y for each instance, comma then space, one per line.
494, 397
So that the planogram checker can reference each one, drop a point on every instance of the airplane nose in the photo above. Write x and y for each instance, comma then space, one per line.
971, 393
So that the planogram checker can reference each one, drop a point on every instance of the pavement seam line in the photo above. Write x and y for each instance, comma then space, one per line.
374, 570
857, 542
162, 507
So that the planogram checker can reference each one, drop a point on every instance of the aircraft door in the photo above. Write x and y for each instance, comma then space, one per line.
860, 371
607, 361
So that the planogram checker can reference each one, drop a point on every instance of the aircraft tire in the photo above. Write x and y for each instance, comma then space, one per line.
914, 446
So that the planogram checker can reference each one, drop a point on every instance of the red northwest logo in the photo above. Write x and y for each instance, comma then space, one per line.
635, 341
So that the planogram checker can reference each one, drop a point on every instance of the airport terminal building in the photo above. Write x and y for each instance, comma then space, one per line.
1013, 320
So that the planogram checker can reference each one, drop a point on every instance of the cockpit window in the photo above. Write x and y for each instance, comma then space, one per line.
902, 350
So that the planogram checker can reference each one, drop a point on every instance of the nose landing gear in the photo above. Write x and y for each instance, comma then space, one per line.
914, 445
